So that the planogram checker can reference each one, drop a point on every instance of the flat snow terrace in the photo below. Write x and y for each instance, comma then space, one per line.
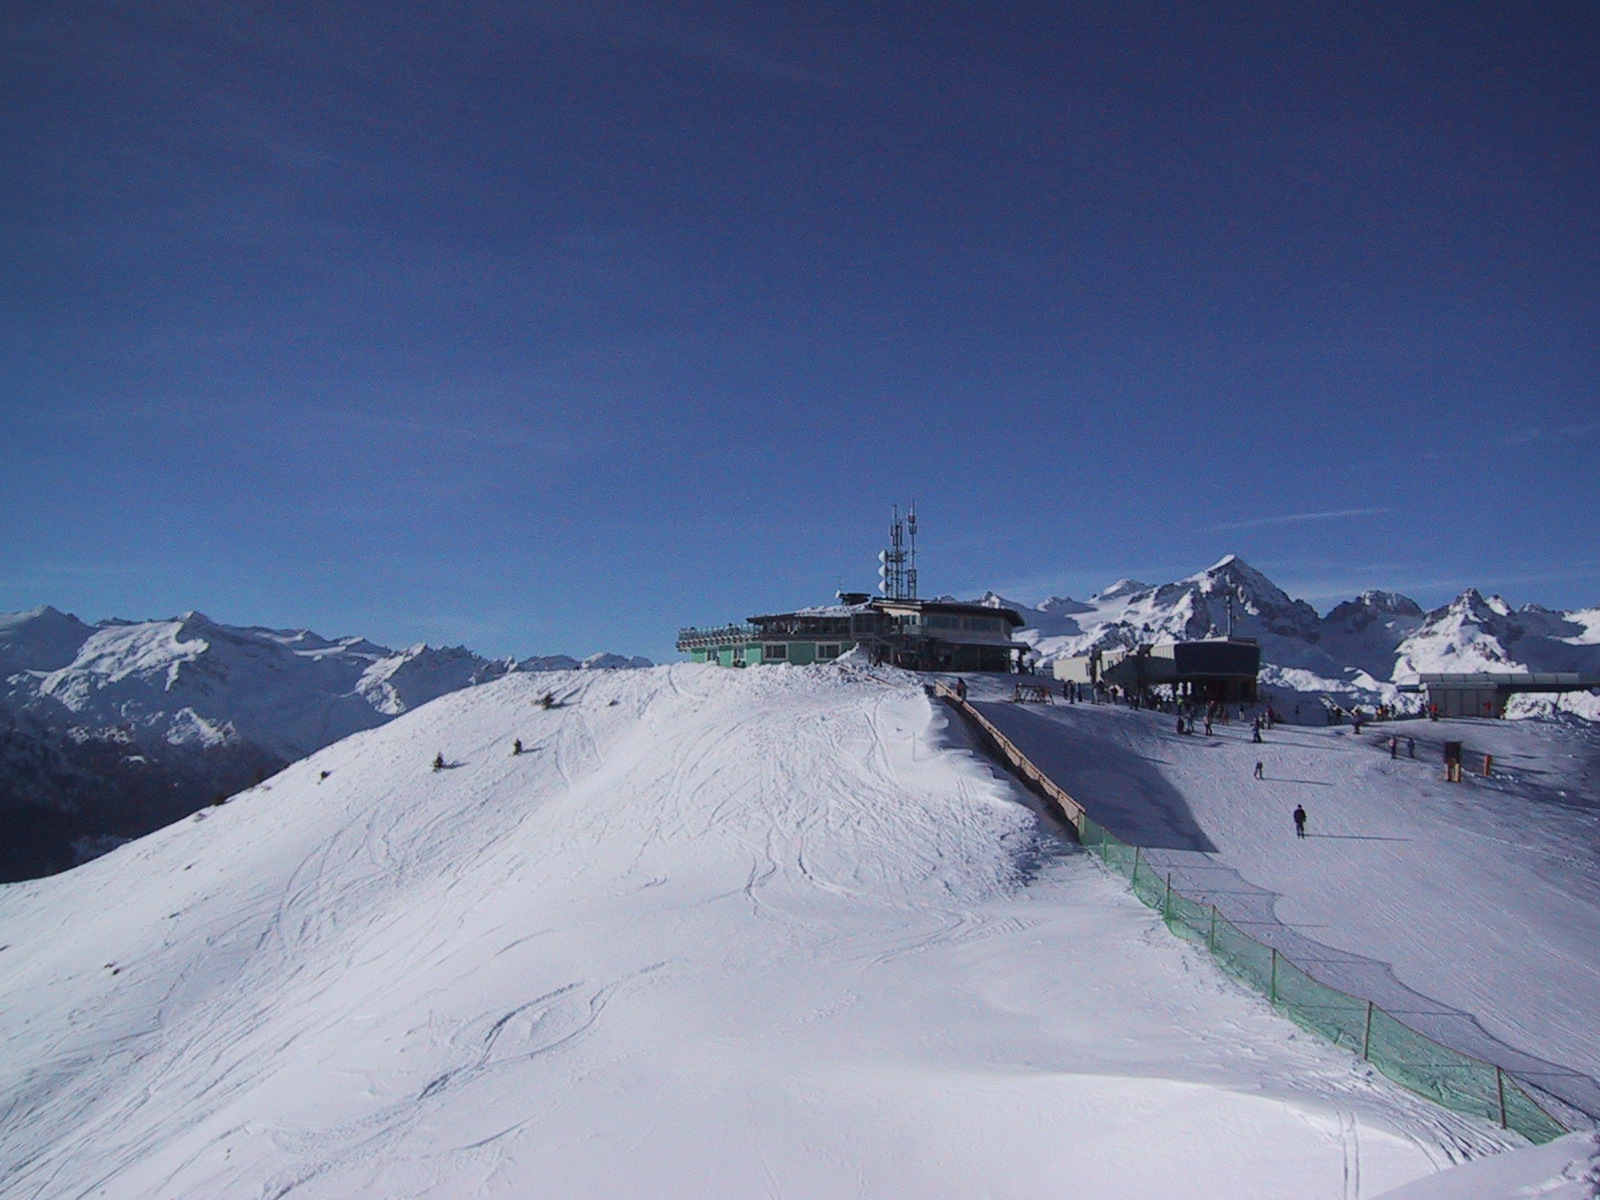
1470, 911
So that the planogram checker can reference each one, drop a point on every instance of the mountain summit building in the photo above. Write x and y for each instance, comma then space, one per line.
895, 628
921, 635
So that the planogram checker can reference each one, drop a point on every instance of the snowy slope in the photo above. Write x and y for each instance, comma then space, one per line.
117, 728
1565, 1169
770, 932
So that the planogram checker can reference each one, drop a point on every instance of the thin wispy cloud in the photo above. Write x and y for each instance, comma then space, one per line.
1506, 440
637, 27
1336, 514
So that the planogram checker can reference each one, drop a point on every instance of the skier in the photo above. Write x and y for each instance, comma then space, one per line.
1394, 746
1255, 733
1208, 724
1299, 821
438, 762
1259, 775
1411, 747
516, 747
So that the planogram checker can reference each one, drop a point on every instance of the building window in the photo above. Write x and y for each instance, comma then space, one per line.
828, 650
775, 652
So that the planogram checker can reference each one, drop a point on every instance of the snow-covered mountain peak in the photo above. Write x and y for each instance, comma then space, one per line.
1470, 605
605, 661
1065, 606
1389, 602
43, 613
1233, 576
1374, 607
1120, 589
41, 639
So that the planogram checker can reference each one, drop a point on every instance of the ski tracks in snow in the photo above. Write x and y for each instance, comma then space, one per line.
403, 980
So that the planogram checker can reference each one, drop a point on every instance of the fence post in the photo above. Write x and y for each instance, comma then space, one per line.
1366, 1034
1272, 991
1500, 1093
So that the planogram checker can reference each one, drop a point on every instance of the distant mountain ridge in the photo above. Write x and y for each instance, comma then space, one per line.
110, 730
1363, 647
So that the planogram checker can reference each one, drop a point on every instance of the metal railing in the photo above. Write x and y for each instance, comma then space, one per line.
693, 638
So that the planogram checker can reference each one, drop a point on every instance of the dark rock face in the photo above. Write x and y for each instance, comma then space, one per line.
65, 799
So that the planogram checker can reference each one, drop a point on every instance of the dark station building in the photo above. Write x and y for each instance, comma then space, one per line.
1212, 669
1485, 693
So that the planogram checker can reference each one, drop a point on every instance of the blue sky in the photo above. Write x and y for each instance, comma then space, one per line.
552, 327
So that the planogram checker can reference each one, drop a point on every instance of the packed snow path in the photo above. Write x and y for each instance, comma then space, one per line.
1471, 910
715, 933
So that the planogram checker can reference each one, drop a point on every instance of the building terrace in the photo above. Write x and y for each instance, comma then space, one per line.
926, 635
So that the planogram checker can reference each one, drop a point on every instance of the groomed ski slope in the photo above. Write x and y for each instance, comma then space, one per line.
772, 932
1480, 897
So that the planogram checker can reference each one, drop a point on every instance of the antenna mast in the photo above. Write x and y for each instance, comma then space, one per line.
911, 568
897, 566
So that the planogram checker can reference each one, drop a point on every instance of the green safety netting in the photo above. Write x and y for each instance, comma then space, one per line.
1190, 919
1340, 1018
1446, 1076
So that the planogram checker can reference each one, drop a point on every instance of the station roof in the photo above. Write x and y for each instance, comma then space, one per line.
883, 604
1509, 679
951, 607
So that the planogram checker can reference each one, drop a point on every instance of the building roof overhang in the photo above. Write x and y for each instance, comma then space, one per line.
948, 607
1522, 681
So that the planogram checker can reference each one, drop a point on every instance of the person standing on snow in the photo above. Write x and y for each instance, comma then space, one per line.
1259, 768
1299, 821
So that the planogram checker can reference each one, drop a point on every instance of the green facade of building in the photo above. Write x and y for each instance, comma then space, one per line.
928, 635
